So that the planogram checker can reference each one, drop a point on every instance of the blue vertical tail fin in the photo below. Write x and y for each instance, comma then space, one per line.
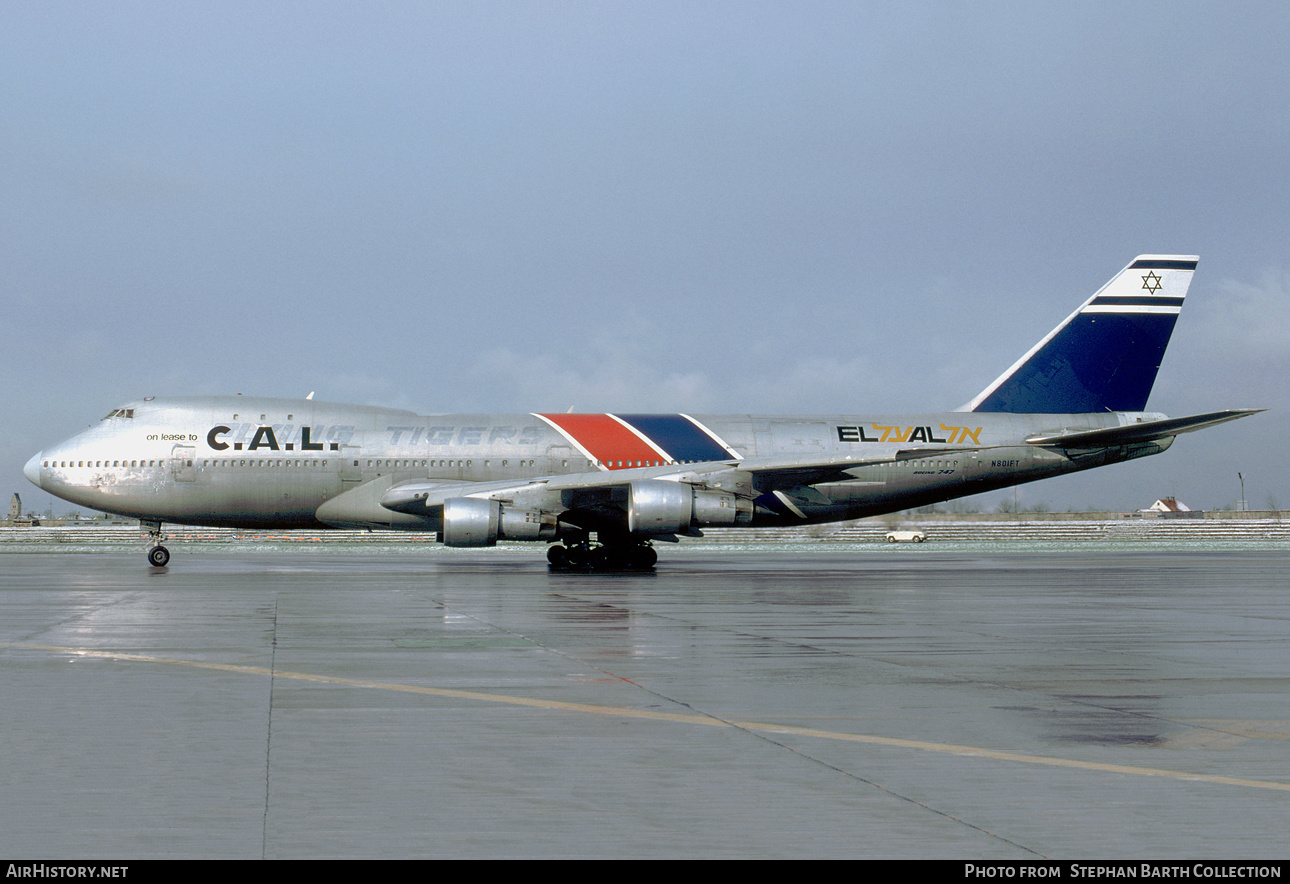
1105, 356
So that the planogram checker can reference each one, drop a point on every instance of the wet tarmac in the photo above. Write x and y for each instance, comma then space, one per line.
798, 702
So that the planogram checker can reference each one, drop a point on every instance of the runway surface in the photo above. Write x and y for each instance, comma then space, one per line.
849, 702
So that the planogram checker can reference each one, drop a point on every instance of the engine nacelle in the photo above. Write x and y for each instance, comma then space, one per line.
655, 506
721, 508
472, 521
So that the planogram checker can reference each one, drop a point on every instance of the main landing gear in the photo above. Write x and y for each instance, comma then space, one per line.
585, 556
158, 555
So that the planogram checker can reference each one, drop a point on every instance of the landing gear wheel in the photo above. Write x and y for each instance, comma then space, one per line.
643, 558
158, 555
577, 557
601, 558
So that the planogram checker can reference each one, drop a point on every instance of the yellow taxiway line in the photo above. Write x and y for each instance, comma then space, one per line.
677, 717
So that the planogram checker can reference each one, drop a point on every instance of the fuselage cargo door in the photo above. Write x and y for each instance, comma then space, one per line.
182, 463
562, 459
973, 466
350, 471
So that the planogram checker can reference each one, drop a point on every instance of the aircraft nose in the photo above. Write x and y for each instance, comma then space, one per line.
32, 469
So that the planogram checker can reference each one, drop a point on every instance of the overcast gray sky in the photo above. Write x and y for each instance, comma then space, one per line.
701, 207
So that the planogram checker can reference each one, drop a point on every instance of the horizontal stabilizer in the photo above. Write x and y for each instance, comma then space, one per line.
1141, 432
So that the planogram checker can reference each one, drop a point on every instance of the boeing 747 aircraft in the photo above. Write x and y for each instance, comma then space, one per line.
601, 488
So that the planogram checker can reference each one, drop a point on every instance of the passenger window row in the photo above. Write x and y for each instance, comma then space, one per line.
311, 463
103, 463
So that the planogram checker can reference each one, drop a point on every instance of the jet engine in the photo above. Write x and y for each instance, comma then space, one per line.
473, 521
655, 506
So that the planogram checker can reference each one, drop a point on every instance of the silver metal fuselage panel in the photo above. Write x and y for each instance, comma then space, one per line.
261, 462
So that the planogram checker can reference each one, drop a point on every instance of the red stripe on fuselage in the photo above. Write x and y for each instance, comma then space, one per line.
606, 440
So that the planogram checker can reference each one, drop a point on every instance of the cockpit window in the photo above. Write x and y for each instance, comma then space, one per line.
120, 412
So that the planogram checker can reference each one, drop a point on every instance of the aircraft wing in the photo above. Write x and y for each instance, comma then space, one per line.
779, 472
1144, 431
759, 473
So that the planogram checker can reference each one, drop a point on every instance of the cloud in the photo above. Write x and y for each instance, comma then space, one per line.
607, 376
597, 378
1254, 320
1240, 342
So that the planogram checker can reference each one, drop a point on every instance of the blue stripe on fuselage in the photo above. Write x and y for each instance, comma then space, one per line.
677, 435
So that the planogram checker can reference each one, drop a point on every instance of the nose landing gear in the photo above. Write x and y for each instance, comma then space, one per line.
158, 555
